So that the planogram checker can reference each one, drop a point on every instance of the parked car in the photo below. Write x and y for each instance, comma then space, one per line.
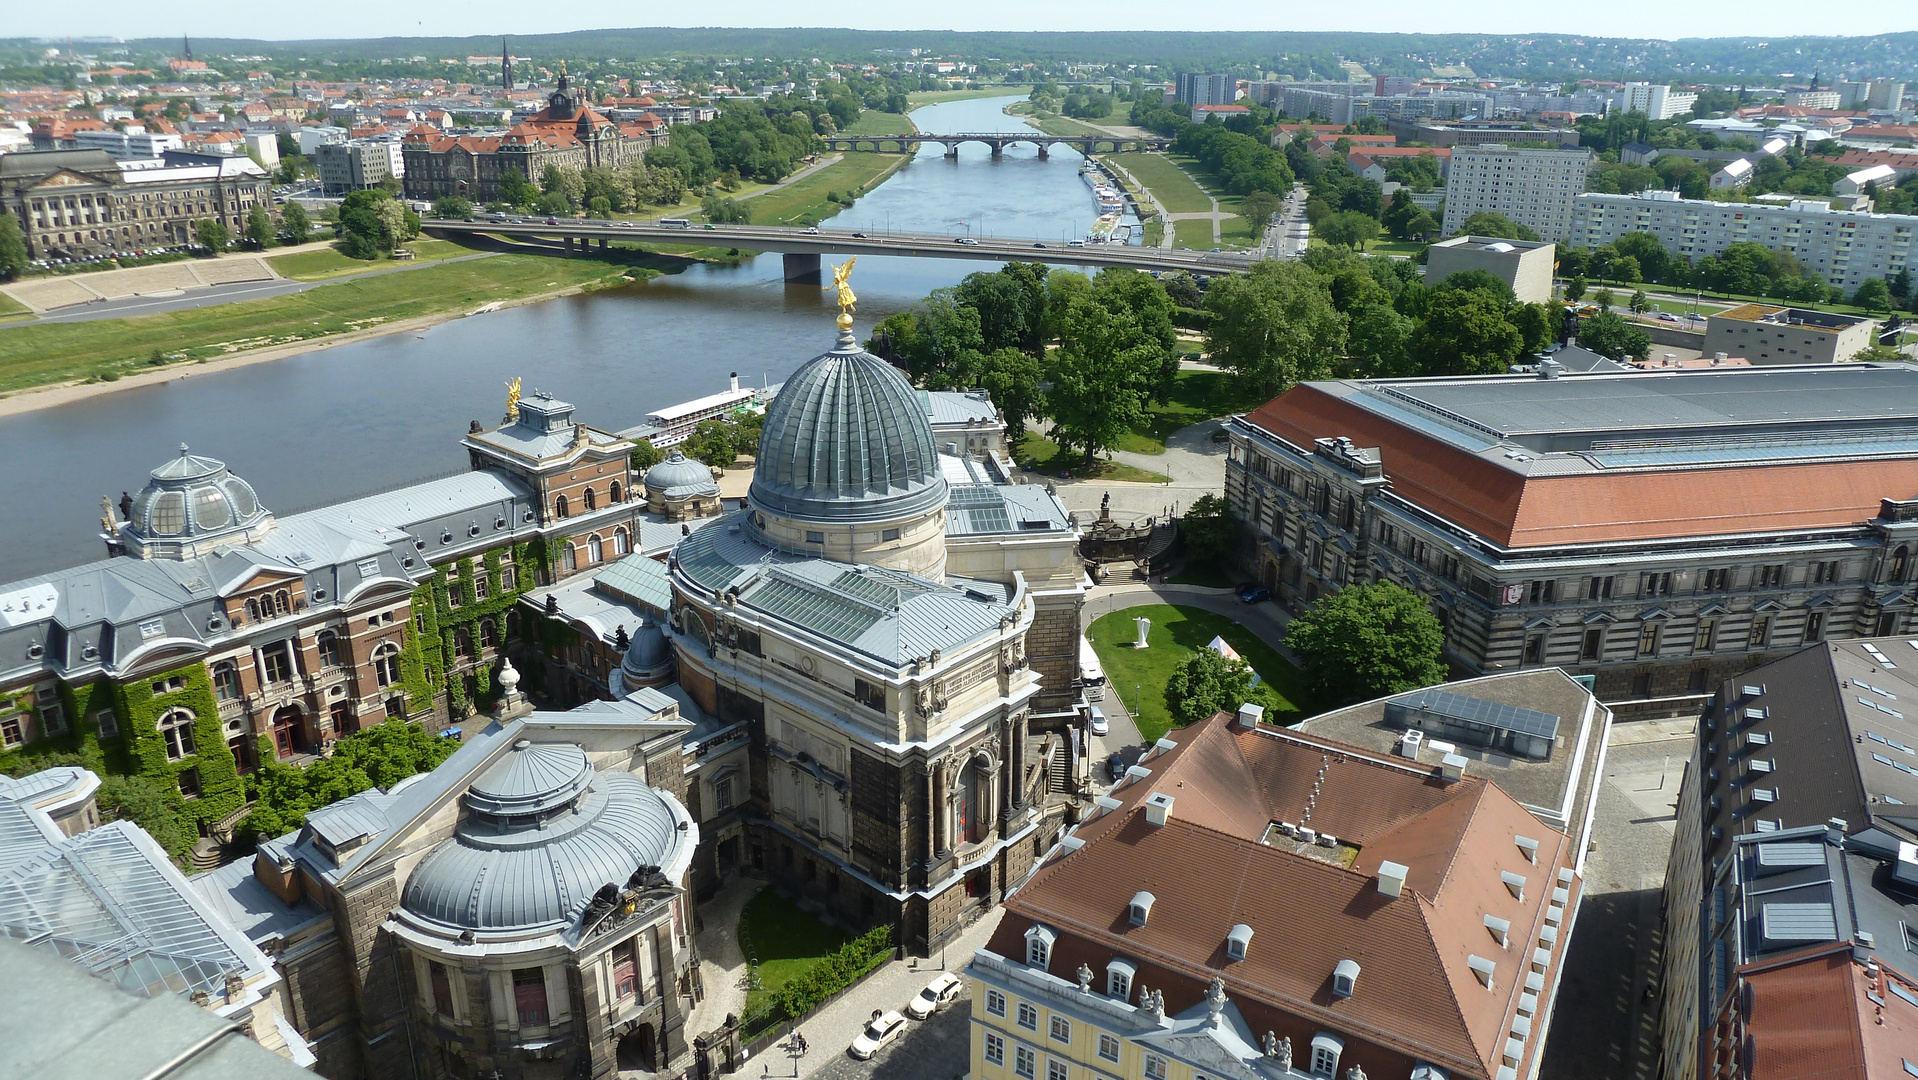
1099, 725
1115, 767
937, 992
879, 1031
1252, 592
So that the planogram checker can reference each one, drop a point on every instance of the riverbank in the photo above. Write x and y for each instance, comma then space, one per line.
58, 363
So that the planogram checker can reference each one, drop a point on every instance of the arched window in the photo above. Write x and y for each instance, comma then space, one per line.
329, 649
567, 560
386, 664
559, 506
1899, 564
614, 493
280, 604
176, 728
619, 541
487, 635
594, 551
252, 610
226, 680
592, 500
462, 642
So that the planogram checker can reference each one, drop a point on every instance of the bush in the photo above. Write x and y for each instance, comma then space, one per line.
835, 972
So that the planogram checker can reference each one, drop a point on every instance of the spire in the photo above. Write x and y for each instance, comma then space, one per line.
185, 43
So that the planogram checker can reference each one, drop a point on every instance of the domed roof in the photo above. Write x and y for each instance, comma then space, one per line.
847, 439
680, 476
534, 778
495, 878
647, 649
191, 497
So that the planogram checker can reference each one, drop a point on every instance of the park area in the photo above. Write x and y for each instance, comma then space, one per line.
795, 961
1140, 676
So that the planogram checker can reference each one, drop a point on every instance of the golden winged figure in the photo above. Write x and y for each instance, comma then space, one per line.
512, 400
840, 274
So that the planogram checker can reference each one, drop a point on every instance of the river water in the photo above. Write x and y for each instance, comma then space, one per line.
334, 423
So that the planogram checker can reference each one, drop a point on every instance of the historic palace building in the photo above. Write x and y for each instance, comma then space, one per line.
891, 630
567, 133
1661, 531
74, 203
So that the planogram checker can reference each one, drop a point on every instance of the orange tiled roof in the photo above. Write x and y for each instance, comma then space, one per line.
1516, 511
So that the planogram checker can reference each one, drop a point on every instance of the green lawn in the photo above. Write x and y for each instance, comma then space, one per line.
9, 306
1196, 396
1171, 187
804, 202
1036, 453
326, 263
1139, 676
1194, 233
59, 352
874, 122
1063, 125
786, 941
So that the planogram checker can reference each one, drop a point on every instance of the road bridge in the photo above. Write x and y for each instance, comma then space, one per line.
803, 247
1087, 144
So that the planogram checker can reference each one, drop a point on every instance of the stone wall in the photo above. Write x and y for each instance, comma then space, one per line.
1052, 648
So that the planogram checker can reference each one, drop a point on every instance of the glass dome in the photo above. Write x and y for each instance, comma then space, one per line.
191, 497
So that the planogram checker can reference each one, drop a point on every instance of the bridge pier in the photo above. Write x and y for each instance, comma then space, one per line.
998, 151
602, 243
952, 150
801, 269
1043, 155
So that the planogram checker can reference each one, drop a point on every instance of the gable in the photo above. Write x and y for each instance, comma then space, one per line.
68, 178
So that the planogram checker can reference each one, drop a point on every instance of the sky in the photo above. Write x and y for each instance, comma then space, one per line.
438, 18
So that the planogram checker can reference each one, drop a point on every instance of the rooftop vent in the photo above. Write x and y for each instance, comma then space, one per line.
1514, 884
1409, 743
1345, 977
1392, 878
1527, 845
1452, 767
1482, 968
1250, 715
1141, 907
1158, 807
1238, 941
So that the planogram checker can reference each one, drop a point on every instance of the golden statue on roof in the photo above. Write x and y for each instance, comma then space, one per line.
512, 400
840, 274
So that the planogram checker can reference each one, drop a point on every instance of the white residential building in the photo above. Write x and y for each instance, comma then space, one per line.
1815, 99
1841, 246
1655, 101
1735, 174
1534, 188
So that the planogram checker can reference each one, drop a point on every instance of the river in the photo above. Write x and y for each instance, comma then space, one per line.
330, 424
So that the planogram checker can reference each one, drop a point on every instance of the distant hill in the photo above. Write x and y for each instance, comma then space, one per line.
1301, 54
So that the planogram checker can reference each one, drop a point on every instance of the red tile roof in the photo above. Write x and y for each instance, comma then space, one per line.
1517, 511
1812, 1016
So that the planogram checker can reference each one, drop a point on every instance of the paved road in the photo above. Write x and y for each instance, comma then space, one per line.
936, 1049
1605, 1026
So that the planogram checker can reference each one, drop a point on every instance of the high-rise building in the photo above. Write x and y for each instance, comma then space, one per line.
1535, 188
1885, 94
1656, 101
1199, 88
1844, 247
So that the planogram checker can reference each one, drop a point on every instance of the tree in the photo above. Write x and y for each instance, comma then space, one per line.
1900, 286
1257, 208
1575, 289
1347, 228
259, 228
1210, 529
13, 248
452, 208
1206, 683
710, 444
1605, 299
294, 222
397, 223
1466, 332
725, 210
1101, 376
1479, 280
645, 455
1366, 641
1274, 325
1487, 223
379, 756
1639, 303
1379, 339
212, 234
1421, 226
1613, 337
1872, 295
517, 190
1013, 378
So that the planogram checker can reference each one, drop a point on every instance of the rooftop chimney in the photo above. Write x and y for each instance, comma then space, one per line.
1249, 716
1392, 878
1158, 807
1550, 369
1453, 767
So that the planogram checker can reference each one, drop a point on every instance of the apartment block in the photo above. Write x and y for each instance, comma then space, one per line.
1535, 188
1843, 247
1200, 88
1656, 101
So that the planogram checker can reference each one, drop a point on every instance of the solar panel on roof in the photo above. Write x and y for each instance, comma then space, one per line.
975, 495
988, 519
1479, 711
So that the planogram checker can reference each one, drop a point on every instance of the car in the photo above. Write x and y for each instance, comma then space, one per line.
552, 221
1665, 316
1115, 767
858, 236
1099, 725
937, 992
1252, 592
625, 224
1039, 243
967, 240
812, 230
880, 1030
1694, 317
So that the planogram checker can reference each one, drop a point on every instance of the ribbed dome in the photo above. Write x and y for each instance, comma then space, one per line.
522, 880
680, 476
192, 497
534, 778
847, 439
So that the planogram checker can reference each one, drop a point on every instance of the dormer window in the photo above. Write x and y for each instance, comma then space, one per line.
1141, 907
1326, 1048
1039, 941
1514, 884
1236, 942
1345, 978
1119, 976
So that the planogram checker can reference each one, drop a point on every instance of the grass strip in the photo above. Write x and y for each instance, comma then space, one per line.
1193, 233
1038, 454
804, 202
1174, 190
1139, 676
329, 263
874, 122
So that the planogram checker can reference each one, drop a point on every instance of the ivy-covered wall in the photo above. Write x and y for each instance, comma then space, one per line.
430, 656
137, 748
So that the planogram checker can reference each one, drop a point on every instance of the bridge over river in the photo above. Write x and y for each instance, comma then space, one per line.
803, 247
1086, 144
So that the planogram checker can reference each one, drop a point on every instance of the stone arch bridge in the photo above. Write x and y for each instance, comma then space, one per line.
997, 140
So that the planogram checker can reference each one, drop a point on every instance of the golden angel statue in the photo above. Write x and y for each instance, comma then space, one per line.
512, 400
840, 274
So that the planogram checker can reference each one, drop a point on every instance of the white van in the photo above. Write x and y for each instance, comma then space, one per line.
1091, 675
